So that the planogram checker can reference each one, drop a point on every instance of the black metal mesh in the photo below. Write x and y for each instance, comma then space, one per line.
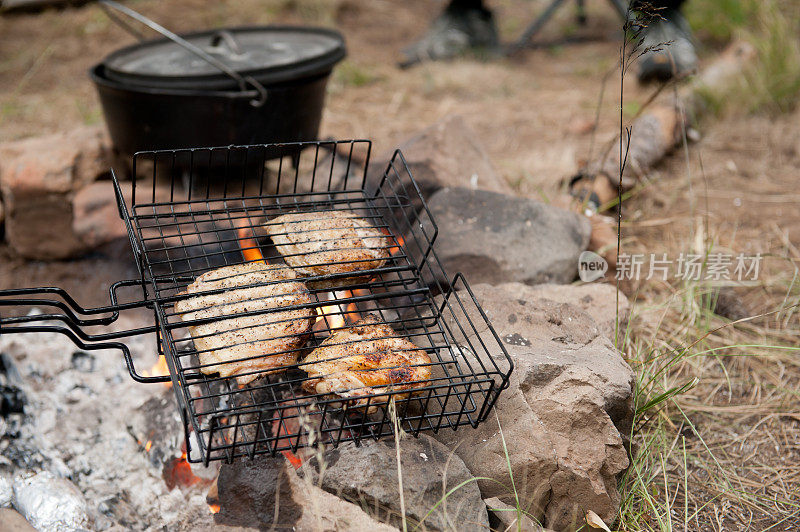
199, 210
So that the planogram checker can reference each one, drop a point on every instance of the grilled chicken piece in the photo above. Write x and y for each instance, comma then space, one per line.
328, 242
365, 359
263, 342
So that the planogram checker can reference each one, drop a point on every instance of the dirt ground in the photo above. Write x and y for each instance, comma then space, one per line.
534, 114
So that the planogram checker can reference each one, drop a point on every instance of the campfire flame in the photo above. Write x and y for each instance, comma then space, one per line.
330, 316
247, 244
394, 250
336, 316
159, 369
214, 508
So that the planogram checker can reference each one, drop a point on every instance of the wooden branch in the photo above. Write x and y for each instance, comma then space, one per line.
659, 129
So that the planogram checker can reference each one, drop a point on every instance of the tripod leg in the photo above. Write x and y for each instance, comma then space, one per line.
582, 12
535, 26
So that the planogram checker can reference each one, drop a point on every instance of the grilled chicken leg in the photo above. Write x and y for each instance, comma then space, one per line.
365, 359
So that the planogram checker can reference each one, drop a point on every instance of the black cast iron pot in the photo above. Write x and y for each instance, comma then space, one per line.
252, 85
141, 119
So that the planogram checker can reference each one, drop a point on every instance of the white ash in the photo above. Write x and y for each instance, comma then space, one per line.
86, 422
6, 491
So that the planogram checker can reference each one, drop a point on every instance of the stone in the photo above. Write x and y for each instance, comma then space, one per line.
49, 502
429, 471
495, 238
446, 154
38, 178
564, 416
267, 493
12, 521
503, 516
96, 219
598, 300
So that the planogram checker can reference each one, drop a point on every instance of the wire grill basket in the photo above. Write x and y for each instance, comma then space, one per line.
194, 211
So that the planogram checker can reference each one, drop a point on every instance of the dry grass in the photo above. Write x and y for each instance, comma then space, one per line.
717, 434
721, 455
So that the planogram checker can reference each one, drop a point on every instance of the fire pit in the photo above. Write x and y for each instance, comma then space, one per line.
204, 225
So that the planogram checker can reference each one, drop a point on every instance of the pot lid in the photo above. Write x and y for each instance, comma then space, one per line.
270, 54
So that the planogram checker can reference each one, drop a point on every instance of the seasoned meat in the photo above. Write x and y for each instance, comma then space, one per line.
328, 242
244, 344
364, 359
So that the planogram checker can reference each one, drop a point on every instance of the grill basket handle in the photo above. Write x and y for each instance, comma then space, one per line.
72, 311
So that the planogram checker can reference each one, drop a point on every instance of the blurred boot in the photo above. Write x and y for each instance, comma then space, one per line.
667, 47
454, 32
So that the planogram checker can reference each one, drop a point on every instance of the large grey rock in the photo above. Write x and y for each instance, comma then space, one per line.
266, 493
368, 474
6, 491
495, 238
563, 417
446, 154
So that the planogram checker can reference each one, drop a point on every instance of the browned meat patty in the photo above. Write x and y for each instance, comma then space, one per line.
329, 242
235, 346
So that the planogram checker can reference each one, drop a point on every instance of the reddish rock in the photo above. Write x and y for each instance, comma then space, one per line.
38, 178
567, 411
446, 154
598, 300
96, 215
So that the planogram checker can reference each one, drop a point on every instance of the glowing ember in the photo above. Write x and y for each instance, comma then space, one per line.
178, 472
214, 508
247, 244
282, 427
147, 446
293, 459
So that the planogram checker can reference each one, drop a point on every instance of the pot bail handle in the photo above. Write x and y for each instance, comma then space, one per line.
229, 40
245, 82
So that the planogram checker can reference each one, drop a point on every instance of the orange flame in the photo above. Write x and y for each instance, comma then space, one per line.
159, 369
214, 508
394, 250
352, 308
337, 316
330, 316
148, 445
248, 245
293, 459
